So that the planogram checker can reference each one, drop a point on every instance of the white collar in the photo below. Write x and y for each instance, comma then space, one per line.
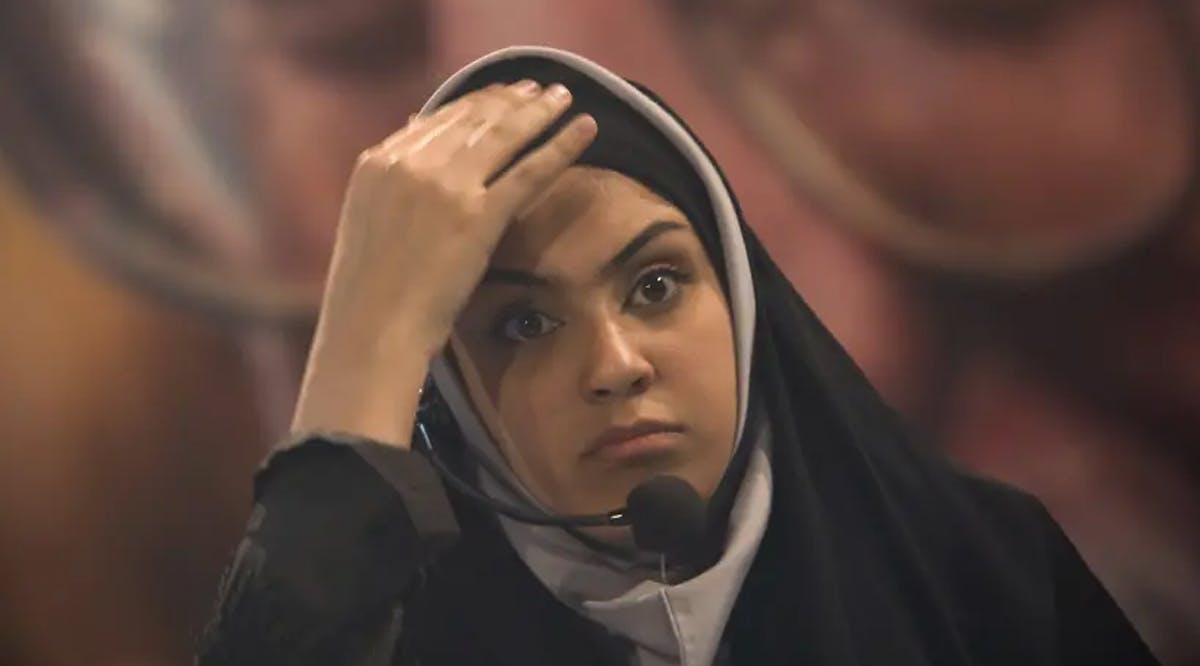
669, 624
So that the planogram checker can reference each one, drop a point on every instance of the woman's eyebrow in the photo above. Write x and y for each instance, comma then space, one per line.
639, 241
520, 278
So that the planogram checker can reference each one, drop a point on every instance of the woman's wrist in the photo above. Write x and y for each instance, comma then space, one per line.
368, 388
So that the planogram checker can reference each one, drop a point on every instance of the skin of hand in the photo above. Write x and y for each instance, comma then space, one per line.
421, 217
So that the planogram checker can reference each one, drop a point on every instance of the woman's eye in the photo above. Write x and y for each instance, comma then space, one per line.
654, 287
527, 325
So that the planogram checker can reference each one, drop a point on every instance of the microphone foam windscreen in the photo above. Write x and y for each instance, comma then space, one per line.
667, 516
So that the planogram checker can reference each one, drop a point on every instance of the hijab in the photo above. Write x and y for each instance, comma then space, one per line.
669, 623
840, 539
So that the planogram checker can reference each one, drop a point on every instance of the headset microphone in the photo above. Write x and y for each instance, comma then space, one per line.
665, 514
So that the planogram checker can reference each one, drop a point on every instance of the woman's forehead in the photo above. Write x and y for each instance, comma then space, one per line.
587, 208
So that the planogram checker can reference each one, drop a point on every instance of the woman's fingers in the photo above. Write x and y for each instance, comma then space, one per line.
375, 165
533, 173
464, 143
475, 136
420, 126
487, 110
494, 146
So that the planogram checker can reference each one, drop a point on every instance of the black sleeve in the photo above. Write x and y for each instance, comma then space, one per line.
339, 532
1092, 629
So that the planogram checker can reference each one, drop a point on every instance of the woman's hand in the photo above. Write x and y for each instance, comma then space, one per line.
421, 218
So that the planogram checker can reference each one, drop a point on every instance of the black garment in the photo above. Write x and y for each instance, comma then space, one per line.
877, 551
332, 551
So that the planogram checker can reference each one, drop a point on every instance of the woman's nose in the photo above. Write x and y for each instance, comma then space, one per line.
616, 367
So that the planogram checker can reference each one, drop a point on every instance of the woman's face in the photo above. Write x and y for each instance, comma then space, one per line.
599, 347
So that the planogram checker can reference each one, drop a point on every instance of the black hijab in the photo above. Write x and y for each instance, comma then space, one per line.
877, 551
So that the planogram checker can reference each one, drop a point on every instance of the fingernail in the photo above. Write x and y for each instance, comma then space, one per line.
527, 87
559, 92
586, 125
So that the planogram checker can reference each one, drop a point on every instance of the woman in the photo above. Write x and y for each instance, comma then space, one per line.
595, 314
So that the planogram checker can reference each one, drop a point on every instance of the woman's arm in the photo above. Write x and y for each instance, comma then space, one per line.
339, 533
333, 545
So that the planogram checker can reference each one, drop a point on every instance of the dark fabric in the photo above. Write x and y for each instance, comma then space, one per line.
882, 551
877, 551
332, 545
329, 560
333, 571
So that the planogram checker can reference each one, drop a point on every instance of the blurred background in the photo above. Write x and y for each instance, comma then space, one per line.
992, 203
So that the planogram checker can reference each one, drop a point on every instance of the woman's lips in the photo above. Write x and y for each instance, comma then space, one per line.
640, 438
